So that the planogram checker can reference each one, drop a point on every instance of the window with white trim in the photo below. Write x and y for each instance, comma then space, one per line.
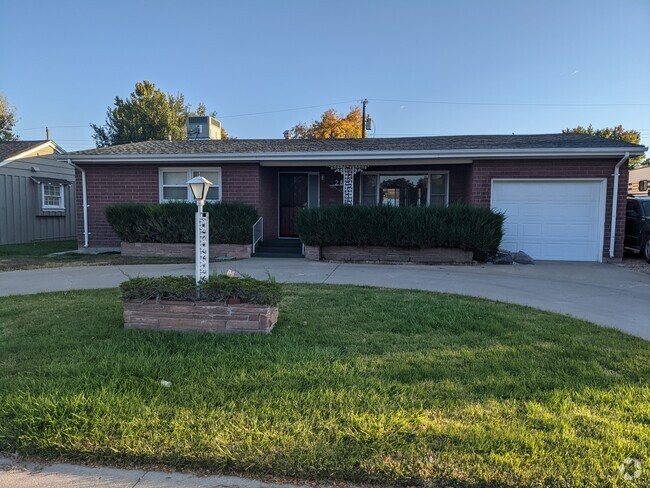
173, 184
53, 196
404, 189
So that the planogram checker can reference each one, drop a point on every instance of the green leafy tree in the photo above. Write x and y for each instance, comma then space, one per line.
331, 125
147, 114
617, 132
7, 121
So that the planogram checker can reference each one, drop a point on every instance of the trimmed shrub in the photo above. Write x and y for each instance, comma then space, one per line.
458, 226
230, 223
218, 288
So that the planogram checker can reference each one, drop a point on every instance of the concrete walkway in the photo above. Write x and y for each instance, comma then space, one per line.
606, 294
14, 474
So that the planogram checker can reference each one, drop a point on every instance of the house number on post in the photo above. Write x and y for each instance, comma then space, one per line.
202, 246
348, 171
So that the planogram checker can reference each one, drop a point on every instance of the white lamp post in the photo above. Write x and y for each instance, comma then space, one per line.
200, 187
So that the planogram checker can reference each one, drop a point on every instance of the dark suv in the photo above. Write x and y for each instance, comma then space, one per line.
637, 225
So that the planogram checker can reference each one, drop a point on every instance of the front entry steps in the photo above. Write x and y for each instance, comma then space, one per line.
279, 248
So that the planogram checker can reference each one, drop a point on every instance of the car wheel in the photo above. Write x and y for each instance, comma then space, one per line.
645, 249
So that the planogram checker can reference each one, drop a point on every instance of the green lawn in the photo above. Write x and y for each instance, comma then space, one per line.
355, 384
36, 255
35, 249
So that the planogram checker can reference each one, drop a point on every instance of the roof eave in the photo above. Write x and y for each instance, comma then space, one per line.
359, 155
57, 150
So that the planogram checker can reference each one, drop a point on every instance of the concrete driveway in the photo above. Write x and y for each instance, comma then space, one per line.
605, 294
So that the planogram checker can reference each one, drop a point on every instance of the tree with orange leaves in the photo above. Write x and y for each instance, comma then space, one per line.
331, 125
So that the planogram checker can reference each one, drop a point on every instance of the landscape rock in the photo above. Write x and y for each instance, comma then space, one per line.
523, 258
502, 258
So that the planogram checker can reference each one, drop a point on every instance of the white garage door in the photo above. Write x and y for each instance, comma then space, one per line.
559, 220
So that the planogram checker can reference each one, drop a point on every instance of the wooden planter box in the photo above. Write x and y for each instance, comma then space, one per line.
211, 317
380, 254
155, 250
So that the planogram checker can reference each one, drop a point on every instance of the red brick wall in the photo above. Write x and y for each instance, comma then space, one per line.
382, 254
182, 250
257, 186
108, 184
213, 317
484, 171
241, 183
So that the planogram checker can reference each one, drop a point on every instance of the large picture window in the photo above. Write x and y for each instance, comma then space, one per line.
173, 184
404, 189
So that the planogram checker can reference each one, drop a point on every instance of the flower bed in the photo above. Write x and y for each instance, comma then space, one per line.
200, 316
221, 304
158, 249
380, 254
474, 229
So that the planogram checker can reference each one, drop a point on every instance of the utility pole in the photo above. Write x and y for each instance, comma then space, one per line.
364, 102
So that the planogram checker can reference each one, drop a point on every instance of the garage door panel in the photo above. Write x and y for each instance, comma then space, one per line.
578, 231
527, 211
529, 230
580, 192
552, 220
577, 212
510, 231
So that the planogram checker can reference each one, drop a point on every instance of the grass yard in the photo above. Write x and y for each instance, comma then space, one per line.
356, 384
36, 255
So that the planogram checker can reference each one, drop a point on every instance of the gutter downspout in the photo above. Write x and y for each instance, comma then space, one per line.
84, 199
612, 230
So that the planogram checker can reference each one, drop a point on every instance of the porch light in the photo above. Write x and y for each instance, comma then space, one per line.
200, 187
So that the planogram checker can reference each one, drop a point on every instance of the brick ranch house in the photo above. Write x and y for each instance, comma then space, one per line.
557, 190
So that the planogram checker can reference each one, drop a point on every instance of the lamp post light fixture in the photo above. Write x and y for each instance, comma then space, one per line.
200, 187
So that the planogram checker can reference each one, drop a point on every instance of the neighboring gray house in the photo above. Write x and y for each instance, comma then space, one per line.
36, 193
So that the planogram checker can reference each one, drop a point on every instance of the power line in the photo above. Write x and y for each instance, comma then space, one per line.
218, 116
488, 104
285, 110
390, 100
54, 127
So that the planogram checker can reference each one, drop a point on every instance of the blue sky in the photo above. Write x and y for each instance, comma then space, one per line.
501, 66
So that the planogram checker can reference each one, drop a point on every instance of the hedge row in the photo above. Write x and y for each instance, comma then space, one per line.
457, 226
230, 223
218, 288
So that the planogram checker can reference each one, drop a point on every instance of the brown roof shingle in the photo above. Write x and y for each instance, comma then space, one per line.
442, 143
12, 148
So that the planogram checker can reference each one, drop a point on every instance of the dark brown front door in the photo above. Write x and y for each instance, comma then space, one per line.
294, 195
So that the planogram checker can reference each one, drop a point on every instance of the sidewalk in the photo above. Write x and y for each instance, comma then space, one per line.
15, 474
605, 294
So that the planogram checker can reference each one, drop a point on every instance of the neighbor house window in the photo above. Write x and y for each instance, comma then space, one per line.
173, 184
643, 185
53, 197
404, 189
